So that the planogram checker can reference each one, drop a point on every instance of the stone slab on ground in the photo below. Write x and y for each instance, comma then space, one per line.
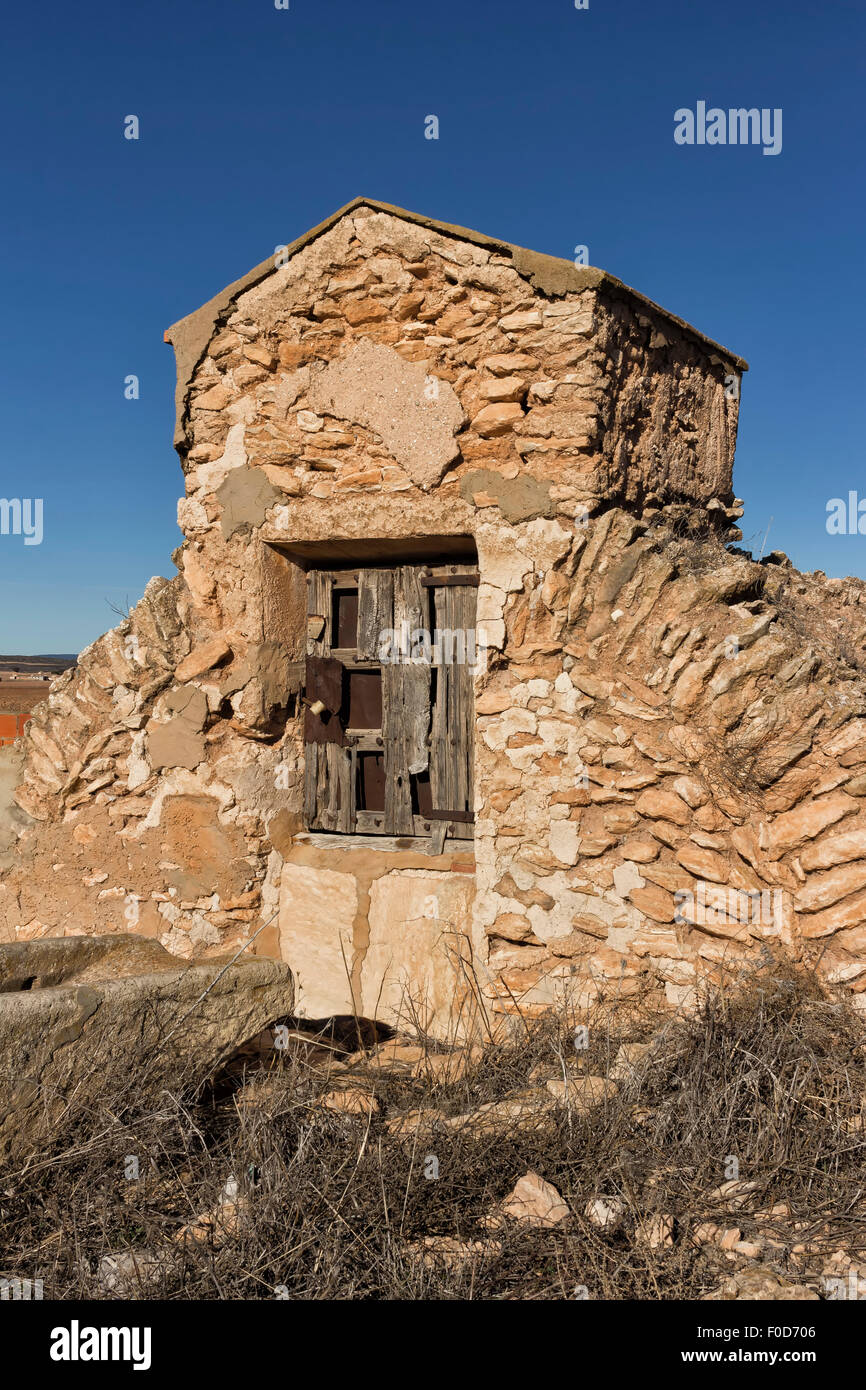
74, 1010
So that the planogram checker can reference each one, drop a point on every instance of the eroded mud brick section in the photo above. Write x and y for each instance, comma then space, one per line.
647, 766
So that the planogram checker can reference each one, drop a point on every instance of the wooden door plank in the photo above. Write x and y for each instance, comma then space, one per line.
398, 788
311, 785
319, 604
410, 616
464, 705
375, 610
440, 763
453, 723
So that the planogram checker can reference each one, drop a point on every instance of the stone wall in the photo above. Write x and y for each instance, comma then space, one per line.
668, 770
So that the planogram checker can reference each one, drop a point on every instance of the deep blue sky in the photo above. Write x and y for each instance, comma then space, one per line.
556, 128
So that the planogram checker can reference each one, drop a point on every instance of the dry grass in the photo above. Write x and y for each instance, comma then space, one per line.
334, 1207
832, 630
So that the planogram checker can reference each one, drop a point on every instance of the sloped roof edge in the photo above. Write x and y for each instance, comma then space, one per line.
550, 275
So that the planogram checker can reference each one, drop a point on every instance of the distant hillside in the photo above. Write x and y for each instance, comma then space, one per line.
48, 661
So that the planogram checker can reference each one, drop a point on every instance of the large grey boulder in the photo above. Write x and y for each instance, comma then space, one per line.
80, 1015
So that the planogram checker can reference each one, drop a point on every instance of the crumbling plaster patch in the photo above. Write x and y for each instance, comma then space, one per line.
178, 741
246, 495
181, 782
416, 416
519, 499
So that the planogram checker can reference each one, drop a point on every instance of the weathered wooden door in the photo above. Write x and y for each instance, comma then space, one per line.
389, 718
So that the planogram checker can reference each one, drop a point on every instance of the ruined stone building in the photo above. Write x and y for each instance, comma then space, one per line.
460, 681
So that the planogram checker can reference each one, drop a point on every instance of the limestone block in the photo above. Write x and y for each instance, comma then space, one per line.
655, 902
491, 603
317, 915
507, 388
503, 363
564, 841
534, 1202
545, 542
663, 805
526, 318
822, 890
691, 791
203, 658
836, 849
217, 398
849, 913
420, 932
793, 828
70, 1004
491, 634
497, 419
512, 721
704, 863
499, 562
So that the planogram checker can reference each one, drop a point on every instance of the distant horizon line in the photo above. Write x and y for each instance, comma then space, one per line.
39, 656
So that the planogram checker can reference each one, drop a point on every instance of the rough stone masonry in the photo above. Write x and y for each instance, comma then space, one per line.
668, 769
